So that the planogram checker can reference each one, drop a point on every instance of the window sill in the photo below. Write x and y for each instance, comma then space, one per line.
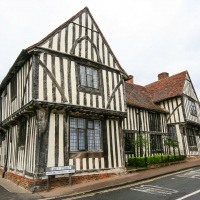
84, 151
89, 90
193, 148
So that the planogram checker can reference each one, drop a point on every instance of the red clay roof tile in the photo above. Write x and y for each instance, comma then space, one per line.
138, 96
168, 87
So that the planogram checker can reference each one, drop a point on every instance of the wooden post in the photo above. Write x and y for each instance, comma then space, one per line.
48, 183
70, 180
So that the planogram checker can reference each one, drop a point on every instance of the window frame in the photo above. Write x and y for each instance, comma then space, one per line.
154, 121
85, 131
191, 137
128, 138
192, 107
86, 88
22, 133
156, 143
171, 130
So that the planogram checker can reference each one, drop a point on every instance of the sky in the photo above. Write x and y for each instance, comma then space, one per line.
147, 36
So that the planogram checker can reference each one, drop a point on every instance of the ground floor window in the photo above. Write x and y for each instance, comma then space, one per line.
191, 137
128, 142
156, 143
171, 130
85, 134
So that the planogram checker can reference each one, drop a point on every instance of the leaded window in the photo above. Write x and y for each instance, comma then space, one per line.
192, 107
156, 143
191, 137
128, 142
172, 130
85, 134
154, 122
89, 77
22, 132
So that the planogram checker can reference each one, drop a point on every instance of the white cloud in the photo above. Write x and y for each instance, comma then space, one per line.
147, 36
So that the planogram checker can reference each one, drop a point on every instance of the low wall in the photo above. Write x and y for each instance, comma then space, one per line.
41, 184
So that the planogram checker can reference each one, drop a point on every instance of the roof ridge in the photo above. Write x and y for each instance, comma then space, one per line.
185, 71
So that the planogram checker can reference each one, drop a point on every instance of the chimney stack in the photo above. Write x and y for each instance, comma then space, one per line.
163, 75
130, 79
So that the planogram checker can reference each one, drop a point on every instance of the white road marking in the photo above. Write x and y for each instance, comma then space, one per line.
189, 195
155, 190
191, 174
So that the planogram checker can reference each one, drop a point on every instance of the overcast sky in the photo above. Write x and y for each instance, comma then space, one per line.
147, 36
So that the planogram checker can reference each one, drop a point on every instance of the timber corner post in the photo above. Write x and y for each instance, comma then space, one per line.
43, 116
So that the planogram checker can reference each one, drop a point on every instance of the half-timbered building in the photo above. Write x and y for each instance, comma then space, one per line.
145, 119
177, 95
63, 103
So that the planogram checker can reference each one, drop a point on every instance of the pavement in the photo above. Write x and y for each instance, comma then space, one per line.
121, 179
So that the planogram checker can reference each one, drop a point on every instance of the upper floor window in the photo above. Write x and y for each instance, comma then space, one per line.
14, 88
85, 134
154, 122
192, 107
89, 77
22, 133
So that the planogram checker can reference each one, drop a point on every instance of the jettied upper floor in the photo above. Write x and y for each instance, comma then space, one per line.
80, 40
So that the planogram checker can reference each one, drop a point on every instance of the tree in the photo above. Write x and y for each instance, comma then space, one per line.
172, 142
141, 143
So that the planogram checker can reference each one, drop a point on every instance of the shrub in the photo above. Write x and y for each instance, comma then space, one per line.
156, 159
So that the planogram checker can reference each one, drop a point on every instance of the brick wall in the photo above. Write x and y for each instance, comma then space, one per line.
41, 184
1, 172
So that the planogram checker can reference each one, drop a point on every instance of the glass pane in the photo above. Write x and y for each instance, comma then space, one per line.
90, 124
81, 123
97, 140
73, 122
89, 81
73, 140
97, 124
95, 79
82, 75
89, 71
81, 139
90, 134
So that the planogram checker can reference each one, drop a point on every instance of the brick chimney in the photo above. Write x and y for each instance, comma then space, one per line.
130, 79
163, 75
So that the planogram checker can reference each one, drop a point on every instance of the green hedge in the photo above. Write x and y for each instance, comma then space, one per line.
156, 159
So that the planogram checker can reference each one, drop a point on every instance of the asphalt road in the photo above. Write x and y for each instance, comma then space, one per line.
177, 186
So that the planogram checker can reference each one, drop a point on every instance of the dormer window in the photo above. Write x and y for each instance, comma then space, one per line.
89, 77
192, 107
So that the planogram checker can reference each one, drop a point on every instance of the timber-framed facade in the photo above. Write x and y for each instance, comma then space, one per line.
63, 103
177, 95
66, 101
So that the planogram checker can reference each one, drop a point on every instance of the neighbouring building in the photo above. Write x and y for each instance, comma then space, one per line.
177, 95
146, 119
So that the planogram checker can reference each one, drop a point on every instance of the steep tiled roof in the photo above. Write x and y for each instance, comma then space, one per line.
168, 87
138, 96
